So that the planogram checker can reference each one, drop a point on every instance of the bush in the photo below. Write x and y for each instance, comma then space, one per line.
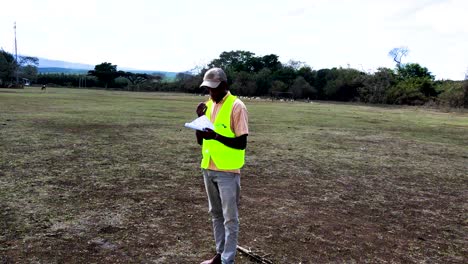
263, 80
244, 84
376, 86
345, 86
278, 87
465, 93
452, 94
409, 91
187, 83
120, 82
302, 89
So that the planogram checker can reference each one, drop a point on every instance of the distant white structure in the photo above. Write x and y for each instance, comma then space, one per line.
26, 82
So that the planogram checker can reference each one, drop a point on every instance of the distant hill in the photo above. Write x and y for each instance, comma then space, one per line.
46, 63
57, 66
61, 70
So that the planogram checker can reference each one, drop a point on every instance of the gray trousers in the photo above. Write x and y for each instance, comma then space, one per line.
223, 190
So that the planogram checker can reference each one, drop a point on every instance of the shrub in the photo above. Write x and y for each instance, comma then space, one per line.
301, 88
452, 94
244, 84
278, 86
465, 93
375, 86
409, 91
345, 86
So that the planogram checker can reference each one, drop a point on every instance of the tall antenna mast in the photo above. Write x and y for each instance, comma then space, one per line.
16, 56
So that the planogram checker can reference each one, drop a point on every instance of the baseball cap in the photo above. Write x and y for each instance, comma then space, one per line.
213, 77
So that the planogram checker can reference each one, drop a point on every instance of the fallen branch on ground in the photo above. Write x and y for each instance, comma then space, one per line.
254, 256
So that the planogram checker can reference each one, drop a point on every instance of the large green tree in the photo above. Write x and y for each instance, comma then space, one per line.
236, 61
414, 70
135, 78
105, 72
28, 60
246, 61
271, 62
29, 72
419, 78
8, 68
28, 67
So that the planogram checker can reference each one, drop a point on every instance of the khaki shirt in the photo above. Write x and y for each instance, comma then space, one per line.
239, 123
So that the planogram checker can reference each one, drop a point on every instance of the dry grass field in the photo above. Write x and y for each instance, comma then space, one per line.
90, 176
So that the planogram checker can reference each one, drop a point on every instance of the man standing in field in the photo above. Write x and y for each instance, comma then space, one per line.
223, 156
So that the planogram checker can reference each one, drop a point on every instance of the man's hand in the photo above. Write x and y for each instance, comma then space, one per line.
201, 109
207, 134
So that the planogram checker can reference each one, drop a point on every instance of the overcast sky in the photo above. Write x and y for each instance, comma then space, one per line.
177, 35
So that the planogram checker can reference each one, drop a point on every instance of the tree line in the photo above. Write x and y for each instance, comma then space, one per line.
260, 76
407, 83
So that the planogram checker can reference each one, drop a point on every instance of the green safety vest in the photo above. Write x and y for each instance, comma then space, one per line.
224, 157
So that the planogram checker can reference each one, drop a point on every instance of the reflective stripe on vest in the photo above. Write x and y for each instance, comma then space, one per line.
224, 157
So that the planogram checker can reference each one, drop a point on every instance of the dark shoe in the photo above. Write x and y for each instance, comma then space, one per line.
215, 260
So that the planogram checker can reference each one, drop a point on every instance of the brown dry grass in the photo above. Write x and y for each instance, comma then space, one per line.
112, 177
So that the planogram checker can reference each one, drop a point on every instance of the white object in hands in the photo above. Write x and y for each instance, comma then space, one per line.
200, 123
